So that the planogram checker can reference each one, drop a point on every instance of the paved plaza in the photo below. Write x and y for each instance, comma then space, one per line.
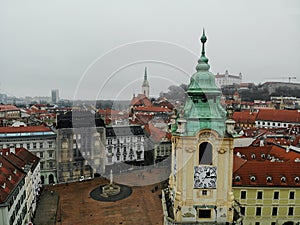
143, 206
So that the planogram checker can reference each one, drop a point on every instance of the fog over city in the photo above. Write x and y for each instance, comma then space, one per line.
99, 49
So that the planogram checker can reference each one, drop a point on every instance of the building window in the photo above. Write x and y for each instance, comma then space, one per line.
34, 145
269, 179
259, 194
252, 178
41, 154
283, 179
292, 195
243, 194
204, 192
205, 153
50, 154
257, 223
258, 211
273, 223
276, 194
50, 144
291, 211
243, 210
204, 213
274, 211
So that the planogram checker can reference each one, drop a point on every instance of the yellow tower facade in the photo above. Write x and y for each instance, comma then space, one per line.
200, 184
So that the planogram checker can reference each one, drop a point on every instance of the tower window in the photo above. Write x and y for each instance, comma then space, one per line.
204, 213
205, 153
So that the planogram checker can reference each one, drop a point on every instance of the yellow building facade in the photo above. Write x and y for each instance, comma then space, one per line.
269, 205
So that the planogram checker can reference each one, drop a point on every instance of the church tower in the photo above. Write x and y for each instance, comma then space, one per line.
200, 184
145, 86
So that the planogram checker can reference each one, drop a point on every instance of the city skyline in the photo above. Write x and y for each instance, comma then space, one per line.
99, 50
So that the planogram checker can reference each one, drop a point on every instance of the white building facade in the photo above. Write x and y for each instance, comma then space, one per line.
227, 79
124, 144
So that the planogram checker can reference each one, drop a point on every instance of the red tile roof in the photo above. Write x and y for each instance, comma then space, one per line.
256, 173
156, 135
267, 153
109, 112
246, 117
152, 109
4, 108
141, 100
27, 157
238, 163
24, 129
10, 176
288, 116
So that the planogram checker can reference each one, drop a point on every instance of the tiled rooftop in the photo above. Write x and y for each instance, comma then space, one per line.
24, 129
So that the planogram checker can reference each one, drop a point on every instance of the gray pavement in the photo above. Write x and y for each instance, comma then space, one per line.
47, 208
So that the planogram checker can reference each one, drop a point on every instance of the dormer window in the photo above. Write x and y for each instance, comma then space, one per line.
263, 156
283, 179
238, 178
297, 179
269, 179
253, 156
252, 178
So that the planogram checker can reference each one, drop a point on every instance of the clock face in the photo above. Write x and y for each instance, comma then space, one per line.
205, 177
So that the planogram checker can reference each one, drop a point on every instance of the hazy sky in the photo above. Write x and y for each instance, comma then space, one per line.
98, 49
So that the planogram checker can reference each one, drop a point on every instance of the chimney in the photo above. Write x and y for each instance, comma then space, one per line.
230, 126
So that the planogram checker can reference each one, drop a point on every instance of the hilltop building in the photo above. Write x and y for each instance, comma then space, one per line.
227, 79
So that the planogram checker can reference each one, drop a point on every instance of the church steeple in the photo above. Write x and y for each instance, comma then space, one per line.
200, 184
145, 86
203, 109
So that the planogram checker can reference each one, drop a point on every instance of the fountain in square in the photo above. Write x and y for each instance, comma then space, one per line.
110, 189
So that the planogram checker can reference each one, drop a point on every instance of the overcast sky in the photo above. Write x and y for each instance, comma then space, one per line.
98, 49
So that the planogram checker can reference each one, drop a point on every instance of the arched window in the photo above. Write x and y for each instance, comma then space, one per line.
205, 153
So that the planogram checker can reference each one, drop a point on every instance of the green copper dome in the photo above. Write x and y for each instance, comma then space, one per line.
202, 108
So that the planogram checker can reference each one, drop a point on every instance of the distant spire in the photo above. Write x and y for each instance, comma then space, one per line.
203, 61
145, 75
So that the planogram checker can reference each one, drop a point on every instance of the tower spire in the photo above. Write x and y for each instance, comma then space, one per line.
145, 74
145, 86
203, 61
